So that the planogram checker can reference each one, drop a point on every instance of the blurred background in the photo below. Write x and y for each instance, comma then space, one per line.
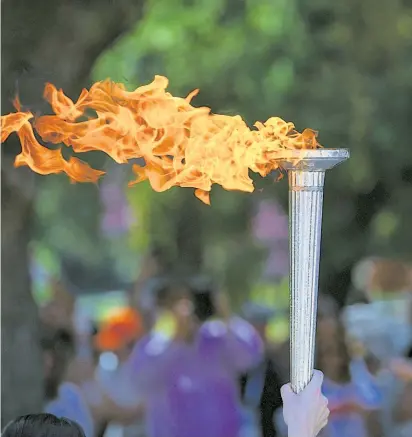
342, 68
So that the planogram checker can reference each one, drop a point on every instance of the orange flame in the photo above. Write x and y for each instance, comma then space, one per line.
181, 145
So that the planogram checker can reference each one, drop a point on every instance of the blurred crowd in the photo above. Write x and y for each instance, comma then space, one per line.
177, 362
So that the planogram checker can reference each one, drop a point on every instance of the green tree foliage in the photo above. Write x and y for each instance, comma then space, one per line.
341, 68
354, 86
215, 46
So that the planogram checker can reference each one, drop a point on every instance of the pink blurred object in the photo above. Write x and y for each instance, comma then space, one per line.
270, 226
117, 216
270, 223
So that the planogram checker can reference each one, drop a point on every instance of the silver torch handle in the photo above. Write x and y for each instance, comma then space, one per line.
305, 227
306, 170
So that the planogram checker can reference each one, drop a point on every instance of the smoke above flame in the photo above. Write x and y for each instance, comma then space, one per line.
180, 145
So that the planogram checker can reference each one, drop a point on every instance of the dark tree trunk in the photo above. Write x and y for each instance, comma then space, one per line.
21, 360
56, 41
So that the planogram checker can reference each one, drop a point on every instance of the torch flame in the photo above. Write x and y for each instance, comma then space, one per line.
180, 145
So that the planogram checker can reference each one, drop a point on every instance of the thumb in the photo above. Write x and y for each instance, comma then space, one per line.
315, 384
286, 392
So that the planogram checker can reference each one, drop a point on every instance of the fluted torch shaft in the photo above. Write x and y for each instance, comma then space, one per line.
305, 227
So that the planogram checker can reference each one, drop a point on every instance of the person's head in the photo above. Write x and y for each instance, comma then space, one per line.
171, 292
154, 266
176, 298
58, 349
332, 355
42, 425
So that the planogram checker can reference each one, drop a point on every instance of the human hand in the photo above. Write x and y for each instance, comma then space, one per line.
401, 368
305, 413
110, 411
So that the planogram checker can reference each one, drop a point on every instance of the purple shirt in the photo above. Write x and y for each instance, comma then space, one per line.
191, 389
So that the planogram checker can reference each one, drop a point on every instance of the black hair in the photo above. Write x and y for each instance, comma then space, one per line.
199, 289
52, 339
60, 344
171, 289
42, 425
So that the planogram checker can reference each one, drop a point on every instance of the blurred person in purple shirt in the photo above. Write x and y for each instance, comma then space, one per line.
187, 368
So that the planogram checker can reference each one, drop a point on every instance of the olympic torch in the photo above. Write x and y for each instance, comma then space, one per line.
306, 181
